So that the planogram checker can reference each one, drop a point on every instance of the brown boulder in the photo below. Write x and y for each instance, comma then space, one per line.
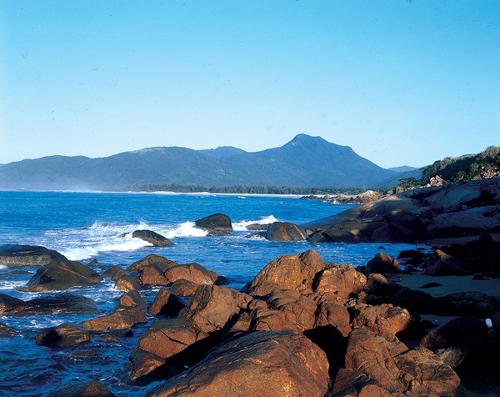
425, 374
385, 320
334, 314
294, 272
262, 364
60, 303
382, 263
284, 231
63, 335
166, 304
215, 224
213, 306
62, 274
183, 287
152, 260
192, 272
338, 283
165, 339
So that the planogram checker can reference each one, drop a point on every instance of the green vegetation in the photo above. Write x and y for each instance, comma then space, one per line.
241, 189
480, 166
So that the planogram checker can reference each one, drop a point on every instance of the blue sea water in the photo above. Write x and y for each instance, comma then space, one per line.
87, 226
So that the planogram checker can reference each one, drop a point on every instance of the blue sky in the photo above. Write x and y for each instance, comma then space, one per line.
402, 82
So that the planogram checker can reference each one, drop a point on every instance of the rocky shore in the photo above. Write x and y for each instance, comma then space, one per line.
301, 327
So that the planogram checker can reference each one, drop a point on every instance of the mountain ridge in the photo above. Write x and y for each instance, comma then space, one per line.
304, 161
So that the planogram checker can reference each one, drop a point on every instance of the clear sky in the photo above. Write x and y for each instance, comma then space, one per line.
401, 82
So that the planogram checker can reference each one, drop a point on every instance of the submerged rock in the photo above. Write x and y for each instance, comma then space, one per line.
284, 231
152, 237
28, 255
77, 389
60, 303
60, 275
215, 224
258, 364
63, 335
5, 330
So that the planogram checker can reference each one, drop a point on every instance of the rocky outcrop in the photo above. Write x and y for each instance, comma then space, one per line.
61, 303
462, 209
28, 255
295, 272
258, 364
78, 389
284, 231
385, 320
60, 275
156, 239
215, 224
442, 264
63, 335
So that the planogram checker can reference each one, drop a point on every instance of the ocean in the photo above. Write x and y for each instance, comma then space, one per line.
98, 226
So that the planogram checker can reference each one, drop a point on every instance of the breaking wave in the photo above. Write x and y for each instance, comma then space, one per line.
242, 225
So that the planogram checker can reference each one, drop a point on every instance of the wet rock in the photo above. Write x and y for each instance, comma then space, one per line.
130, 311
77, 389
377, 284
152, 261
127, 283
284, 231
165, 339
294, 366
294, 272
60, 303
472, 303
153, 238
338, 283
60, 275
212, 306
382, 263
183, 287
412, 257
166, 304
215, 224
114, 272
258, 226
385, 320
63, 335
5, 330
28, 255
442, 264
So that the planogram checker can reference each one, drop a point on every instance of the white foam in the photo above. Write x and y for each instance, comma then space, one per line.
186, 229
242, 226
84, 243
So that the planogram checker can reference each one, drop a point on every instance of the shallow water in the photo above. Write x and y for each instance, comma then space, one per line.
86, 226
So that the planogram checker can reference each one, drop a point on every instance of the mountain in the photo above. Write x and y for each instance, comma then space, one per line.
305, 161
403, 168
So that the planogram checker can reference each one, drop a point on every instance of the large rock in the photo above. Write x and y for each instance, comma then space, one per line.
335, 315
215, 224
165, 339
266, 364
153, 238
417, 372
5, 330
27, 255
294, 272
385, 320
284, 231
60, 303
338, 283
442, 264
382, 263
78, 389
63, 335
60, 275
462, 209
213, 306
